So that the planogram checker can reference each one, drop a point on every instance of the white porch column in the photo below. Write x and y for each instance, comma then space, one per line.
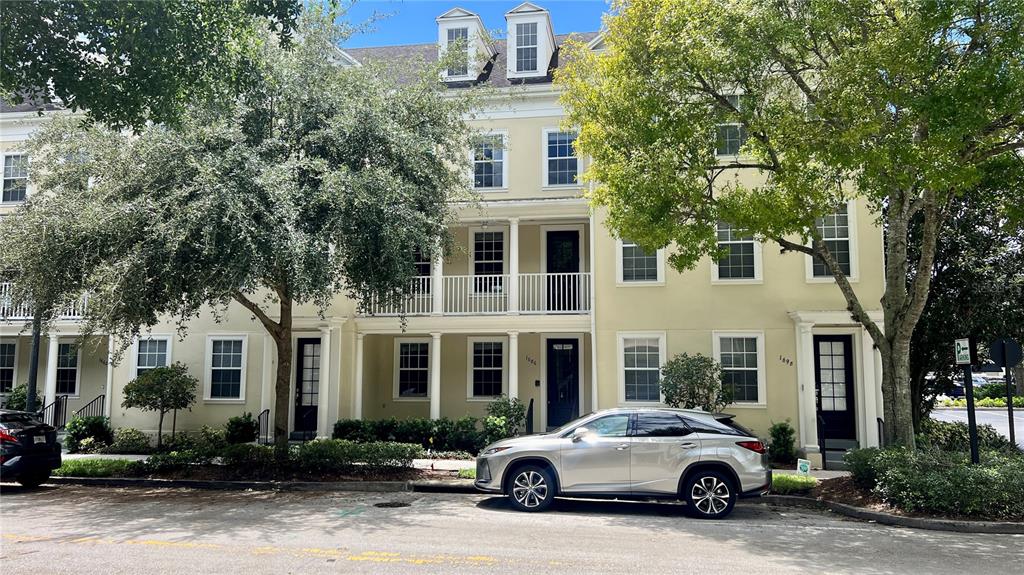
513, 265
357, 398
868, 393
436, 285
806, 399
269, 379
50, 382
435, 375
324, 394
108, 392
513, 364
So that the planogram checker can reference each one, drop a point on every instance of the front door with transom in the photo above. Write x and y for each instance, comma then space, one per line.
833, 380
307, 385
563, 381
563, 268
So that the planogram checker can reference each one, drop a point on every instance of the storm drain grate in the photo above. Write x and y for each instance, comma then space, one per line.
391, 504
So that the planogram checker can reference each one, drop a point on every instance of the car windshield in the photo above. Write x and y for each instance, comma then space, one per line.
571, 425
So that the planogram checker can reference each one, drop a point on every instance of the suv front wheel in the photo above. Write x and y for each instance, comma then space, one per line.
709, 495
531, 488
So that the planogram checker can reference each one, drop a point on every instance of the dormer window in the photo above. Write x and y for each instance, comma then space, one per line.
459, 63
526, 47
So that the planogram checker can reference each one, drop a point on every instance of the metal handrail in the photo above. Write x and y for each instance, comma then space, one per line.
56, 413
92, 409
263, 435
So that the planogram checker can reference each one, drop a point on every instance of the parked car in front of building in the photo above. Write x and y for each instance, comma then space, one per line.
28, 448
704, 459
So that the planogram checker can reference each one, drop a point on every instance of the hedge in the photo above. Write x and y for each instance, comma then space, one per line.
954, 436
463, 434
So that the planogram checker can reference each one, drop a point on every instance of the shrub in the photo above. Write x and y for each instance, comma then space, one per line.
785, 484
90, 445
467, 473
173, 461
387, 454
161, 389
506, 417
96, 427
93, 468
325, 455
463, 455
352, 430
418, 431
241, 429
782, 447
954, 436
860, 463
129, 440
438, 434
18, 397
248, 456
465, 436
694, 381
996, 390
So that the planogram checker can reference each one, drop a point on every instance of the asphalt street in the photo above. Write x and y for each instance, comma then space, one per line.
997, 419
87, 531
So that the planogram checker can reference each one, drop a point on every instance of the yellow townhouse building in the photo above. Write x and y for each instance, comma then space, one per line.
538, 301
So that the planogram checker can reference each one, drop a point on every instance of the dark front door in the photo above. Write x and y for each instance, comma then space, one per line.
837, 419
563, 255
563, 367
307, 384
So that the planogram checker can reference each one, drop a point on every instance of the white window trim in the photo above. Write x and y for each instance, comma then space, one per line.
3, 164
469, 367
14, 378
470, 52
544, 185
621, 338
854, 277
758, 270
513, 51
660, 254
472, 259
762, 386
78, 368
730, 157
398, 341
134, 370
208, 367
504, 164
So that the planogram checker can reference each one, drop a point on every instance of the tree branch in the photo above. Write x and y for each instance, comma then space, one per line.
854, 306
272, 326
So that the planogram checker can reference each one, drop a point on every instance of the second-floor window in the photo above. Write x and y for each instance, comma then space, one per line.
740, 263
7, 360
489, 161
67, 369
637, 264
15, 177
488, 261
422, 263
526, 47
730, 136
562, 165
458, 39
835, 232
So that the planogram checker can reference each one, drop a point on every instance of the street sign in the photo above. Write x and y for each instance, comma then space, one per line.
1005, 352
963, 351
803, 467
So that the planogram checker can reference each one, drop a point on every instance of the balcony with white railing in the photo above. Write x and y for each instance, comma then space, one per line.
523, 294
23, 312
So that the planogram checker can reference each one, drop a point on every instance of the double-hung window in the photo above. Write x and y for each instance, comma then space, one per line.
561, 165
641, 356
412, 368
422, 264
740, 260
637, 265
15, 178
487, 367
458, 40
526, 47
730, 136
488, 261
67, 369
835, 232
489, 161
8, 357
742, 358
152, 352
227, 367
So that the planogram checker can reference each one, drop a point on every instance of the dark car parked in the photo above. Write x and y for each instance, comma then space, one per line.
28, 448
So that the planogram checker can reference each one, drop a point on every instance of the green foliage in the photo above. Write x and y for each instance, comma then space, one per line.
129, 440
995, 391
94, 468
1018, 401
860, 464
506, 417
954, 436
96, 428
782, 443
241, 429
249, 457
786, 484
461, 435
17, 398
467, 473
460, 455
694, 382
338, 456
161, 389
168, 53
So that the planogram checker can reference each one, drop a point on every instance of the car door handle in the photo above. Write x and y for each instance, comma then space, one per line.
621, 446
688, 445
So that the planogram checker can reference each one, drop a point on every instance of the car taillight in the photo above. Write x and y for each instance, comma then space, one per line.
6, 437
752, 445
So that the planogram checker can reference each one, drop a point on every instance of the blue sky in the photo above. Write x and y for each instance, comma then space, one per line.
412, 21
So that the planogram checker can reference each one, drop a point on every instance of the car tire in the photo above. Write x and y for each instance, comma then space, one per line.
709, 495
531, 488
34, 479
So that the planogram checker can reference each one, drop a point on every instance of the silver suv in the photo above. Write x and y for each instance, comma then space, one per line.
704, 459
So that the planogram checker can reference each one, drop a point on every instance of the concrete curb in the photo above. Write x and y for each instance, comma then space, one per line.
380, 486
443, 486
961, 526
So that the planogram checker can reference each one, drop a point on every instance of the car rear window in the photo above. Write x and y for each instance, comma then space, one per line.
17, 421
716, 425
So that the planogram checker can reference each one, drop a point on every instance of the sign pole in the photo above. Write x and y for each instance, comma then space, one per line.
1007, 354
1009, 390
964, 354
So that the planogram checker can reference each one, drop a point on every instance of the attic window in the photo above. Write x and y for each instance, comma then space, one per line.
526, 47
459, 65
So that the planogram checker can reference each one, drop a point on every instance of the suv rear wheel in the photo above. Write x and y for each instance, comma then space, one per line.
709, 495
531, 488
33, 478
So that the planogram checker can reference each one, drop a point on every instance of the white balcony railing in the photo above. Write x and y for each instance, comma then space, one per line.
23, 312
537, 293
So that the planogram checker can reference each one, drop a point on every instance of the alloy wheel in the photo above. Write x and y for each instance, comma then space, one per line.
530, 489
710, 495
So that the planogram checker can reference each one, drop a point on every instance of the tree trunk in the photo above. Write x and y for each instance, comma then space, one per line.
160, 431
1018, 378
898, 410
282, 387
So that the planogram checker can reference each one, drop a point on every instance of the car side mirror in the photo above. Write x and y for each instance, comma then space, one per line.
579, 433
